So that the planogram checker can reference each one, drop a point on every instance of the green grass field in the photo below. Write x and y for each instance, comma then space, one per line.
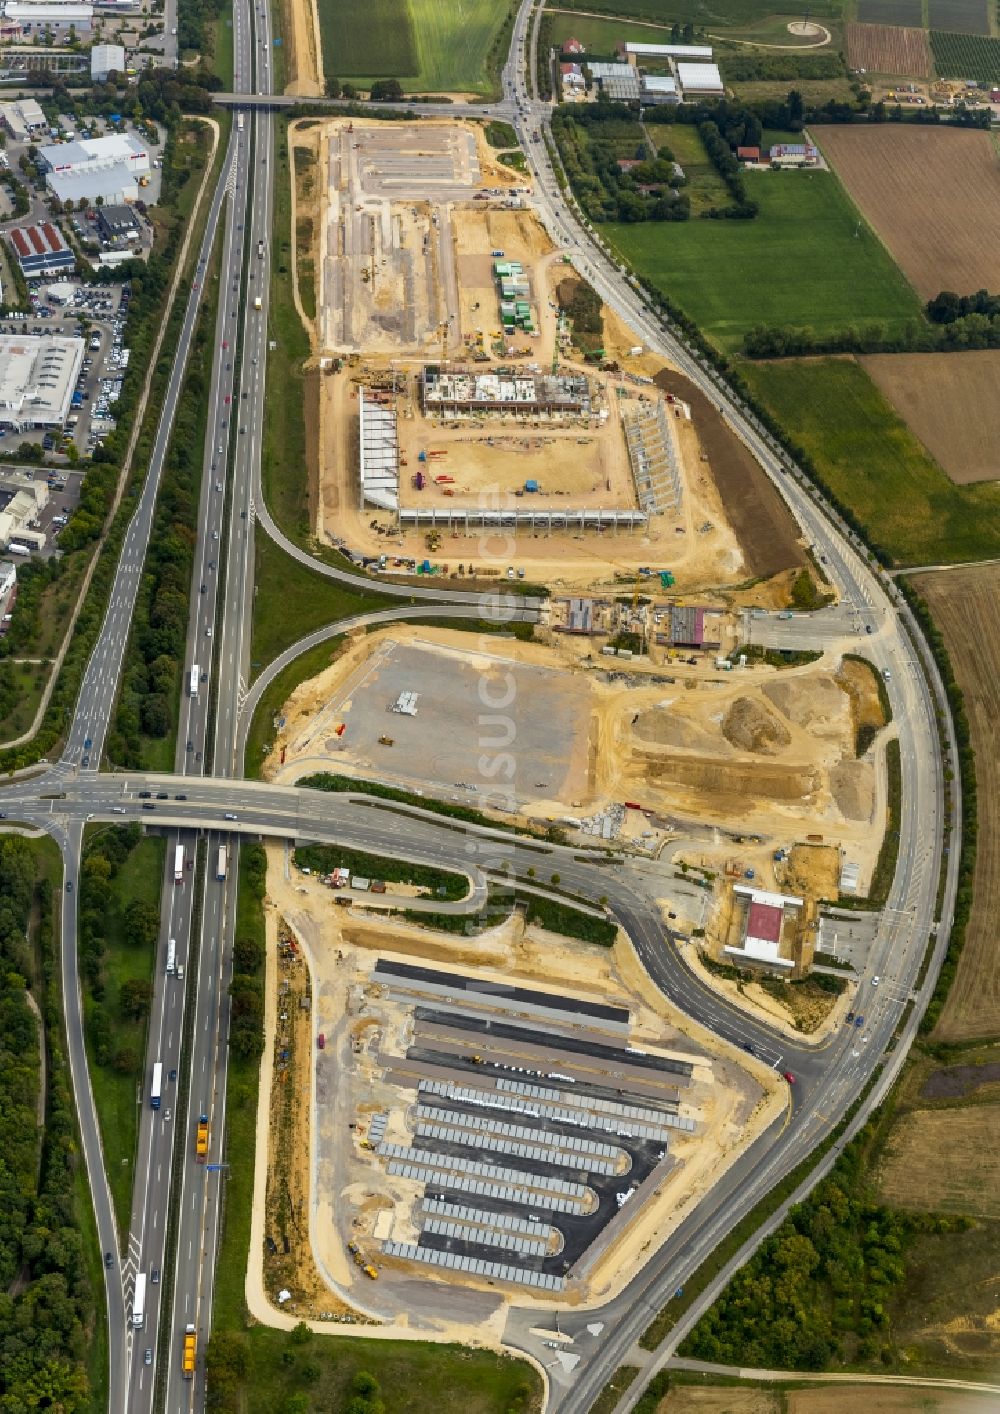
282, 585
601, 36
710, 14
140, 877
704, 185
873, 463
428, 46
805, 260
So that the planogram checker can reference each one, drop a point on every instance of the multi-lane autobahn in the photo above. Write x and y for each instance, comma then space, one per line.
199, 800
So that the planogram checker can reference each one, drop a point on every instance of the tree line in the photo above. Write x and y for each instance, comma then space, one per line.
47, 1304
817, 1293
967, 778
970, 331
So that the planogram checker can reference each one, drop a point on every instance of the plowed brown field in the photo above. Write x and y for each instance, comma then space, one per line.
931, 194
966, 606
887, 49
951, 402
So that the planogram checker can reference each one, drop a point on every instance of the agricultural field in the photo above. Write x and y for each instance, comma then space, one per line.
965, 56
966, 607
710, 14
379, 43
804, 260
930, 194
888, 49
873, 463
950, 401
945, 1161
428, 46
959, 16
891, 12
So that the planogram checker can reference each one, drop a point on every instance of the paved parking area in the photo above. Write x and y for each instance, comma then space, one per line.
482, 722
847, 935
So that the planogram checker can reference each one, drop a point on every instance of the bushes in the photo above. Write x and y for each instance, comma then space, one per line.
967, 778
47, 1309
817, 1292
592, 141
246, 991
965, 331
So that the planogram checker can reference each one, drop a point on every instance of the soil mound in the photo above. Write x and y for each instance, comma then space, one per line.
751, 727
853, 789
809, 701
662, 727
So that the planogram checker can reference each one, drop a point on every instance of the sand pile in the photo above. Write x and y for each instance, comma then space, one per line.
751, 727
808, 702
664, 727
853, 789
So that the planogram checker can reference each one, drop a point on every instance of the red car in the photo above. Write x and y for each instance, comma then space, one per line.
789, 1077
321, 1041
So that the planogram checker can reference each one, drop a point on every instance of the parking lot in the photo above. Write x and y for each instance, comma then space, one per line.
512, 1125
452, 720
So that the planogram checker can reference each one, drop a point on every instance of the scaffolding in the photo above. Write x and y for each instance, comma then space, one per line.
379, 451
653, 457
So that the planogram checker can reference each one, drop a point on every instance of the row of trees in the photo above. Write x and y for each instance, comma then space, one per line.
967, 779
948, 308
46, 1300
970, 331
147, 701
246, 991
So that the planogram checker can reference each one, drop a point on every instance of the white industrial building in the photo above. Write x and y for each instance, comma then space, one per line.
25, 499
105, 167
106, 59
39, 13
693, 52
38, 376
379, 448
700, 79
764, 924
8, 577
23, 118
95, 154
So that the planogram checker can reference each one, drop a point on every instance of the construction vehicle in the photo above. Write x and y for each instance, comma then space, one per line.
476, 1060
190, 1350
201, 1140
359, 1260
386, 741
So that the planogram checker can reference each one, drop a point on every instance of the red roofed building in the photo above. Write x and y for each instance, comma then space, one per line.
41, 250
748, 154
763, 927
573, 46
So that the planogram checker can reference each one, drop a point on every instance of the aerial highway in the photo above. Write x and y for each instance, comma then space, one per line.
205, 799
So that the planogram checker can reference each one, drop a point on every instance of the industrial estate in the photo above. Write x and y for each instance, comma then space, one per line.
499, 526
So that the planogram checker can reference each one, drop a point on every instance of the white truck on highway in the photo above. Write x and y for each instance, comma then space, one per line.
139, 1303
193, 681
171, 957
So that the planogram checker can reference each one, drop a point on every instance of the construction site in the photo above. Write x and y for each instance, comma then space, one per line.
453, 401
639, 754
474, 1125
